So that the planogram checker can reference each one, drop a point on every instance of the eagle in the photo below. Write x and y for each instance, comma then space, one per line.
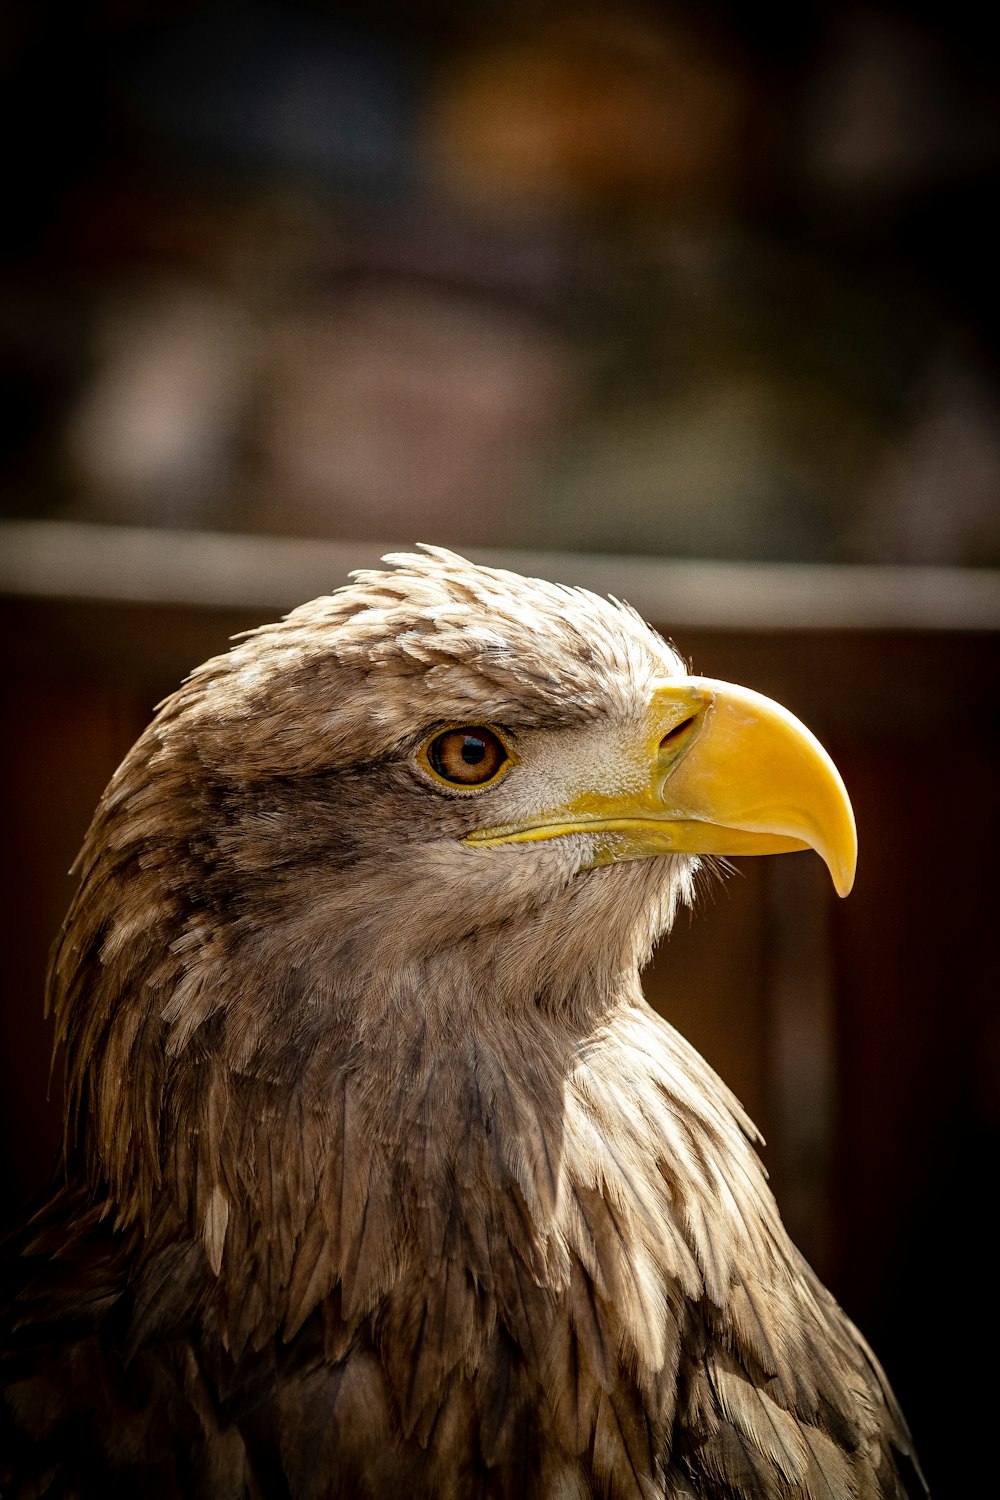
380, 1177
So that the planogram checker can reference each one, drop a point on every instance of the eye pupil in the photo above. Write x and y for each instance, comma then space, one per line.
466, 757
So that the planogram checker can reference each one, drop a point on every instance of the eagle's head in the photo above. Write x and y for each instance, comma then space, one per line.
441, 808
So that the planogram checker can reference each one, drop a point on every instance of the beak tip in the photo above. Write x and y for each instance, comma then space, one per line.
843, 870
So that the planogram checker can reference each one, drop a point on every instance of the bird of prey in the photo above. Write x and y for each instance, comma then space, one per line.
380, 1176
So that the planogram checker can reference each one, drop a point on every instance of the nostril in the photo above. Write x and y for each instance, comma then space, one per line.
673, 735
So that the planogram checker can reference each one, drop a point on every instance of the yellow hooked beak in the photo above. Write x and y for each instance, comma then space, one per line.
722, 770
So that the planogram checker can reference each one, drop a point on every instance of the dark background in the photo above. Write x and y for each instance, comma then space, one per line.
702, 281
710, 282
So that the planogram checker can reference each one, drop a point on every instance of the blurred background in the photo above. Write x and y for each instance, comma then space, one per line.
657, 286
698, 280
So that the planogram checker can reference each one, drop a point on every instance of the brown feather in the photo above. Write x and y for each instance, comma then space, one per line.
380, 1176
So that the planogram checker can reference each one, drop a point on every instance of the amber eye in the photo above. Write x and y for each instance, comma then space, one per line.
467, 756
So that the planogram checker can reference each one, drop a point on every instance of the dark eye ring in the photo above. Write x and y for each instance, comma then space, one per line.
466, 755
